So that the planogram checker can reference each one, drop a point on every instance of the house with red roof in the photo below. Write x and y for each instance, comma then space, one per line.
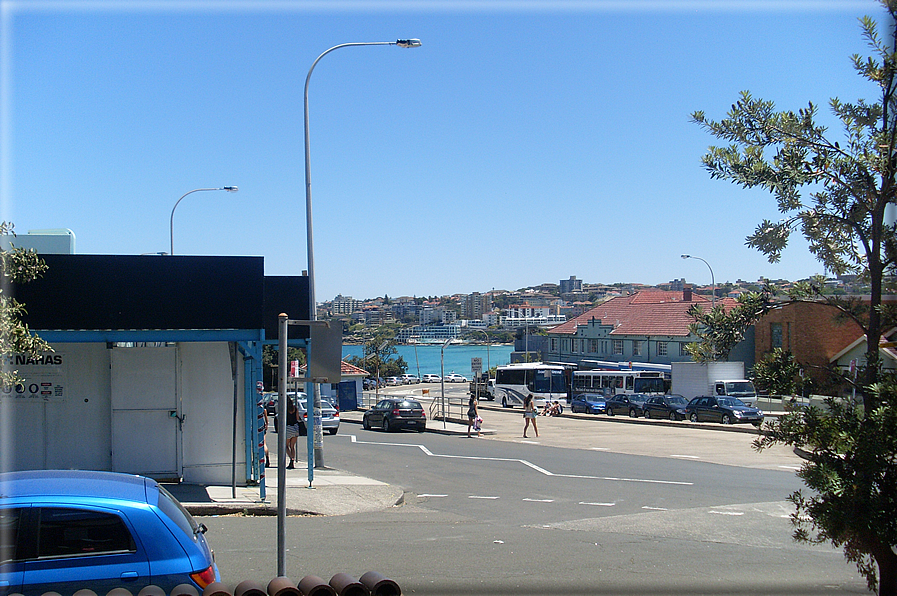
648, 326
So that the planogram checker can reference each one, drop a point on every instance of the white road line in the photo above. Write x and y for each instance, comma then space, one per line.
526, 463
431, 495
539, 500
599, 448
597, 504
686, 456
491, 498
655, 508
795, 468
726, 512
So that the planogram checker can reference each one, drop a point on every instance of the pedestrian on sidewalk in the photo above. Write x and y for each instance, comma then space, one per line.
292, 431
529, 414
472, 415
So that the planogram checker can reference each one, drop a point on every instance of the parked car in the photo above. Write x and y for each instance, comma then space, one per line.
455, 378
269, 401
728, 410
67, 530
626, 403
432, 379
369, 384
329, 417
588, 403
394, 414
394, 381
666, 406
409, 379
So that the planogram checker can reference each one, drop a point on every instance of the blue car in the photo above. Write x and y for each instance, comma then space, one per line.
65, 530
588, 403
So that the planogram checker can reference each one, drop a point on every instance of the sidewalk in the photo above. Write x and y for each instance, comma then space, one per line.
334, 492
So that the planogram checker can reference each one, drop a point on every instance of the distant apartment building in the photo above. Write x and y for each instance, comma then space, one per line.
428, 334
568, 286
475, 305
527, 315
345, 305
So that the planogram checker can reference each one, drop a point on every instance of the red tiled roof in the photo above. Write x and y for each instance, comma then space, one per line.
648, 312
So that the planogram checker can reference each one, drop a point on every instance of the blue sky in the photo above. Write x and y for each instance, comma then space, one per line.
523, 143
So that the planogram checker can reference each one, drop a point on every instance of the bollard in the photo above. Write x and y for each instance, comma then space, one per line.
151, 590
119, 592
380, 585
216, 589
85, 592
249, 588
184, 590
282, 586
312, 585
345, 585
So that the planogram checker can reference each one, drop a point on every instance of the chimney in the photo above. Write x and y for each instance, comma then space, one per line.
686, 294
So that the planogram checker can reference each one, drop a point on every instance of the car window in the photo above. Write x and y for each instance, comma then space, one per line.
9, 533
676, 401
176, 513
70, 532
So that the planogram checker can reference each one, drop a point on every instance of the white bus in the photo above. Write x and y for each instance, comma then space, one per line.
545, 382
612, 382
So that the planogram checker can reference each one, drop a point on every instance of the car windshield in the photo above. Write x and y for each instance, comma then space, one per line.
409, 404
731, 402
594, 399
677, 400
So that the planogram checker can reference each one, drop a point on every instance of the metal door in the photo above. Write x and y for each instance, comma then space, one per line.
146, 412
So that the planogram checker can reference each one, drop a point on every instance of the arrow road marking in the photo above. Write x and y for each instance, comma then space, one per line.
526, 463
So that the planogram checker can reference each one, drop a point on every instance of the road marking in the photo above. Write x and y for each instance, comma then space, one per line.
726, 512
431, 495
526, 463
686, 456
482, 497
597, 504
655, 508
539, 500
599, 448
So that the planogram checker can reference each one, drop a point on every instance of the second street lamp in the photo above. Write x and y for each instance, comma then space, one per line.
171, 221
712, 280
314, 393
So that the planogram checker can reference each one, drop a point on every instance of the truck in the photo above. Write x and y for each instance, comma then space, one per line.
691, 379
483, 387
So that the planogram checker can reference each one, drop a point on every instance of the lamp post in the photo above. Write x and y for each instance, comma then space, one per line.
313, 315
488, 364
171, 222
712, 280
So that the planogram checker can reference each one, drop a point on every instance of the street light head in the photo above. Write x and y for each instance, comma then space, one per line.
231, 188
686, 256
408, 43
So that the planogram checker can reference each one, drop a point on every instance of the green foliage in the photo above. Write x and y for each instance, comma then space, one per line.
380, 355
777, 372
719, 332
852, 467
17, 266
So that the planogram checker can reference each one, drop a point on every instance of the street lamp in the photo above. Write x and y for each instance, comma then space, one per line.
171, 223
402, 43
712, 280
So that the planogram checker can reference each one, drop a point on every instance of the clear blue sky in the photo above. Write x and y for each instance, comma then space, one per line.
523, 143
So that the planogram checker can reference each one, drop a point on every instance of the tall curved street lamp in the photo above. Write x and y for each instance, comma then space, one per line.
171, 222
402, 43
712, 280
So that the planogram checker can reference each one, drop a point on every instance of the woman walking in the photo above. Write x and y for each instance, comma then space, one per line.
529, 414
472, 415
292, 430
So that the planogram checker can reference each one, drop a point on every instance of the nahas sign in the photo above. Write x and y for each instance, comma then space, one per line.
41, 377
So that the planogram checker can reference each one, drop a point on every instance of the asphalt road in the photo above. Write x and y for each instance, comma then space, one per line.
591, 507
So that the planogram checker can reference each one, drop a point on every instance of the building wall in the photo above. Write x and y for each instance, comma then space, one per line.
75, 430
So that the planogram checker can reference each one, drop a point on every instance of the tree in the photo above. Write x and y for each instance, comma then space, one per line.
777, 372
17, 266
380, 355
719, 331
835, 193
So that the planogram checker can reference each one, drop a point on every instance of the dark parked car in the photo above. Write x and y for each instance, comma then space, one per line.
666, 406
588, 403
394, 414
728, 410
626, 403
66, 530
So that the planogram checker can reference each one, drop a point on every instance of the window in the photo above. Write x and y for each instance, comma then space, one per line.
775, 335
661, 348
682, 350
593, 346
618, 346
78, 532
636, 347
554, 344
9, 532
604, 346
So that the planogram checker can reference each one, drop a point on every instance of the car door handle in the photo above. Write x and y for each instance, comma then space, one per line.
129, 576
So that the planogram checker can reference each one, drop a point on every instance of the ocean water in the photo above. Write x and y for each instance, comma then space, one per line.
425, 359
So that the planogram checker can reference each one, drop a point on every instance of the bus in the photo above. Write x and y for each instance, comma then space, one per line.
545, 382
612, 382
